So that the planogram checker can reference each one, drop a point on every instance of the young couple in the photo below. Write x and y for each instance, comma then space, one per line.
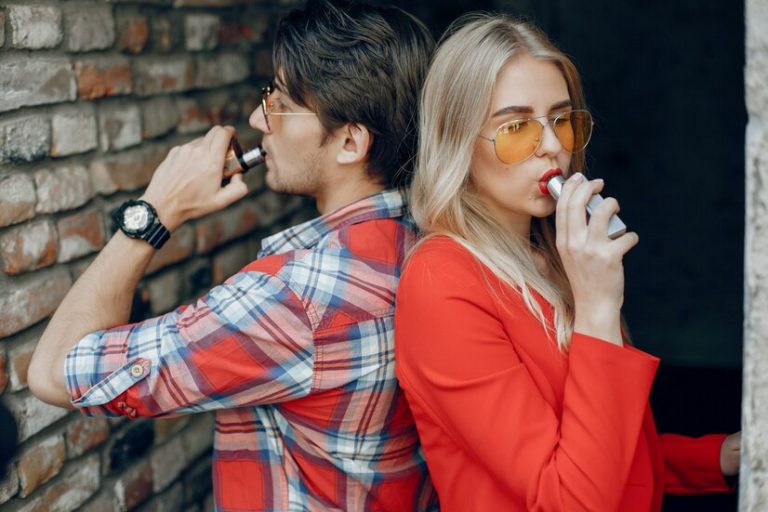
517, 389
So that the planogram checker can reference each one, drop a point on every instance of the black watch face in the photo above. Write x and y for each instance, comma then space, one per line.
136, 218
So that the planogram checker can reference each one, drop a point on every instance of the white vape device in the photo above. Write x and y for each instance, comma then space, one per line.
616, 227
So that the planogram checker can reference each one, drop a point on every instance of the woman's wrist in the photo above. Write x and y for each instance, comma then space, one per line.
602, 323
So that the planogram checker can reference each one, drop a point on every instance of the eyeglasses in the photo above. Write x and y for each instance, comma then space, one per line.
517, 140
275, 107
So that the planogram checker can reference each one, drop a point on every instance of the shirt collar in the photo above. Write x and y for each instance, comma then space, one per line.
382, 205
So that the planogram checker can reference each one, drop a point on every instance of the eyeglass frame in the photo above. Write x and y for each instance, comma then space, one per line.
268, 89
551, 118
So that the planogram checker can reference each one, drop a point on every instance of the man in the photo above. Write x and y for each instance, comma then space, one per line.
295, 351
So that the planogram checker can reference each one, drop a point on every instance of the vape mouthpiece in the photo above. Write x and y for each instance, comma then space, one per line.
239, 161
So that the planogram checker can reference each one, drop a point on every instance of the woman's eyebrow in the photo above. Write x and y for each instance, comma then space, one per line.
517, 109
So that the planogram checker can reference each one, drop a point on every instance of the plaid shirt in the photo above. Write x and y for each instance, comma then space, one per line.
296, 354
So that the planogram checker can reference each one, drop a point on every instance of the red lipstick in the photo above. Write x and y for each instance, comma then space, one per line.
546, 177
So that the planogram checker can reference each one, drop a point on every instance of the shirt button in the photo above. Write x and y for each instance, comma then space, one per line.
137, 371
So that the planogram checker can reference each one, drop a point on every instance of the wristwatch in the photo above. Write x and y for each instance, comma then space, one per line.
138, 219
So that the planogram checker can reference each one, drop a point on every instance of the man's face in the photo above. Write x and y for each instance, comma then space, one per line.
292, 139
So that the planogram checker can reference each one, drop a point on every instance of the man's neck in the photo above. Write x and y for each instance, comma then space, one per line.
343, 193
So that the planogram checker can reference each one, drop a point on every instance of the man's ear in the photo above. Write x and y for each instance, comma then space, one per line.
357, 140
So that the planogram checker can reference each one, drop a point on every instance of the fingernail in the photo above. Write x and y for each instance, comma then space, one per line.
577, 177
599, 180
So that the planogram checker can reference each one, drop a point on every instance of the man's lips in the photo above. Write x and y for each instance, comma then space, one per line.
546, 177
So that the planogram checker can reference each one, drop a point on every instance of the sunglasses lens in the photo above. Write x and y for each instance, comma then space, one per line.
574, 130
517, 140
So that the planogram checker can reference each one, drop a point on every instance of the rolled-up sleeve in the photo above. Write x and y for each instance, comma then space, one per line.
247, 342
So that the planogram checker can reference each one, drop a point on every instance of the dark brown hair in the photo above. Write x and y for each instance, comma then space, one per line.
352, 62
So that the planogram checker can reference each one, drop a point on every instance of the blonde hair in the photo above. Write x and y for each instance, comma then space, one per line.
455, 105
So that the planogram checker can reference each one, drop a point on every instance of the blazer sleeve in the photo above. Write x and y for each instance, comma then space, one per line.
455, 358
692, 464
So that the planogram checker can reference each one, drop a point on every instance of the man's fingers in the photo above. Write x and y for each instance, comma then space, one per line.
235, 190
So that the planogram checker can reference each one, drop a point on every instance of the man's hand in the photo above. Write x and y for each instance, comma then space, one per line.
187, 184
730, 454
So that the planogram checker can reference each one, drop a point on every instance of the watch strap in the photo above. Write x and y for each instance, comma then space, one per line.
157, 235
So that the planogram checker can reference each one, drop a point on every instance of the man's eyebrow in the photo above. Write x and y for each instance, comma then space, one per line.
517, 109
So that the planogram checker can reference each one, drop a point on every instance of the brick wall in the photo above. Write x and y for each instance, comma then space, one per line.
93, 95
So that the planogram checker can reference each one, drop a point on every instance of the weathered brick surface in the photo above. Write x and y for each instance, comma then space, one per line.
228, 261
32, 415
88, 26
222, 69
17, 199
35, 26
133, 32
155, 75
168, 461
192, 118
98, 77
134, 486
164, 291
9, 487
128, 170
85, 434
3, 371
201, 31
172, 499
29, 299
73, 130
40, 463
119, 126
221, 227
160, 116
69, 491
28, 247
197, 439
167, 427
63, 188
2, 28
102, 502
37, 81
19, 357
129, 445
165, 34
80, 234
220, 107
179, 247
25, 139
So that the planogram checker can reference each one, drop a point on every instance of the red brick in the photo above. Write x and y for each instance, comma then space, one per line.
167, 427
25, 301
69, 491
28, 247
168, 461
64, 188
220, 107
9, 487
104, 76
33, 415
127, 170
3, 372
19, 364
164, 35
163, 74
40, 463
134, 486
17, 199
85, 434
221, 69
80, 234
132, 34
178, 248
221, 227
227, 262
192, 117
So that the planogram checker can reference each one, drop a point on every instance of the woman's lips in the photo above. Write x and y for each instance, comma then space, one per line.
545, 178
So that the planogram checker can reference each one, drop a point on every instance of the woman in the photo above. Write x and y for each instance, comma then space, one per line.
526, 394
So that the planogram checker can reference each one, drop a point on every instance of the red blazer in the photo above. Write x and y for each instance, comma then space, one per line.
508, 422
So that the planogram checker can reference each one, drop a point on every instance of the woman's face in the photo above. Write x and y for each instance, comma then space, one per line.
526, 87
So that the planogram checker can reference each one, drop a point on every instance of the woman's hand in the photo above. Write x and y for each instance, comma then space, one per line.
187, 184
730, 454
592, 261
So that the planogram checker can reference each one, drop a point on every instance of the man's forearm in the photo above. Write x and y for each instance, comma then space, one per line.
99, 299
